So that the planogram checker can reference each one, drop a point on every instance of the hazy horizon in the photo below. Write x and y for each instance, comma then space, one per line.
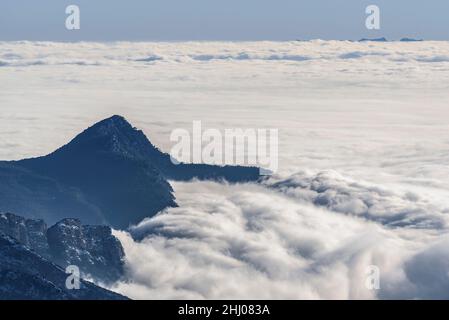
203, 20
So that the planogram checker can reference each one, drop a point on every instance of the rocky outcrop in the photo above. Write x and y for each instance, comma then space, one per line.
25, 275
31, 233
98, 254
92, 248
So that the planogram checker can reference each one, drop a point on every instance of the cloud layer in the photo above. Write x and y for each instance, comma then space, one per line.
247, 241
392, 209
27, 53
363, 154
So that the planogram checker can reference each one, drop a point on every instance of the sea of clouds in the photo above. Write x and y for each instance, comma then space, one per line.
26, 53
363, 156
244, 241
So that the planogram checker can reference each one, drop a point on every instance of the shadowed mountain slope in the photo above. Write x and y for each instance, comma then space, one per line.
24, 275
109, 174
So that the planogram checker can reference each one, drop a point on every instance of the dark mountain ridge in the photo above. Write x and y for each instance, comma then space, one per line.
97, 253
109, 174
25, 275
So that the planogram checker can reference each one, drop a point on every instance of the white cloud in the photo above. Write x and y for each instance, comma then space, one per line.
391, 208
245, 241
374, 113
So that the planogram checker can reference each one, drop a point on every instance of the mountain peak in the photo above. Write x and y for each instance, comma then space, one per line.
110, 163
115, 135
108, 174
116, 121
109, 127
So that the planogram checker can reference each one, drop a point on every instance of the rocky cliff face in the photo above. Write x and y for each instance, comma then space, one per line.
25, 275
94, 249
31, 233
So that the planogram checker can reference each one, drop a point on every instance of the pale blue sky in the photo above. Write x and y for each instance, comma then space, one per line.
222, 20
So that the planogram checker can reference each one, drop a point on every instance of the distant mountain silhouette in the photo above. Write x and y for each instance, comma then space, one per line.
109, 174
383, 39
410, 40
